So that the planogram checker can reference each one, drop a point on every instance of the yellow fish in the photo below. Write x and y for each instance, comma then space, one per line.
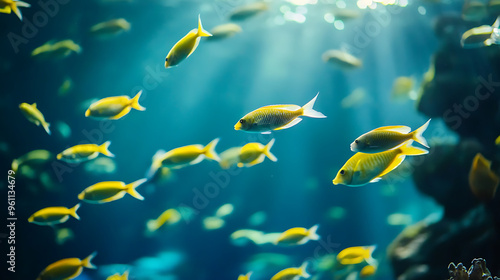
388, 137
169, 217
32, 113
343, 59
482, 181
66, 269
254, 153
230, 157
35, 157
84, 152
355, 255
482, 36
184, 156
224, 31
276, 117
292, 273
63, 235
248, 10
402, 88
56, 50
186, 46
497, 141
297, 236
53, 215
362, 168
110, 28
7, 6
108, 191
114, 107
368, 271
117, 276
246, 276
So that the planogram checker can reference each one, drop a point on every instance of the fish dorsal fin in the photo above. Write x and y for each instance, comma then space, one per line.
34, 105
289, 107
396, 128
290, 124
397, 161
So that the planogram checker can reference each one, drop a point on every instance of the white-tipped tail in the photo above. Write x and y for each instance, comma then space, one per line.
130, 188
312, 233
303, 271
87, 262
46, 126
72, 211
417, 134
202, 32
408, 150
267, 151
135, 102
308, 110
104, 149
210, 152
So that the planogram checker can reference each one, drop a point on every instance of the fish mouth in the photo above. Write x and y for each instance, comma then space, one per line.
354, 147
336, 181
237, 126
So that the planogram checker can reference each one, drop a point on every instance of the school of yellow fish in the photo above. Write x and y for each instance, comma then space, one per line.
378, 152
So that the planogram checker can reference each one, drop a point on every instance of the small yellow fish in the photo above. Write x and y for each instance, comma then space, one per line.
342, 59
65, 87
388, 137
402, 88
169, 217
482, 181
84, 152
224, 210
276, 117
297, 236
108, 191
230, 157
355, 255
246, 276
186, 46
35, 157
356, 98
110, 28
212, 222
224, 31
63, 235
254, 153
184, 156
117, 276
292, 273
367, 271
497, 141
66, 269
57, 50
33, 115
363, 168
7, 6
114, 107
53, 215
247, 11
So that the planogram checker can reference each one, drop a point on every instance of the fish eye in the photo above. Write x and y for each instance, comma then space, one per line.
356, 141
342, 172
242, 121
166, 58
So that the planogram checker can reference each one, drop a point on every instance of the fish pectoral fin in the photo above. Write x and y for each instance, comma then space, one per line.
290, 124
397, 161
396, 128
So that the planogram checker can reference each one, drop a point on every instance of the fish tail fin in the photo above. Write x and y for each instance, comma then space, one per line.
417, 134
202, 32
22, 4
209, 150
130, 188
135, 102
408, 150
15, 8
87, 261
46, 126
308, 111
267, 150
156, 163
370, 260
104, 149
312, 233
303, 271
72, 211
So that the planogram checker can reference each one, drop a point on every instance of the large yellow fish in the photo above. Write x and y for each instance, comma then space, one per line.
84, 152
292, 273
114, 107
482, 181
276, 117
184, 156
8, 6
34, 115
355, 255
110, 28
53, 215
117, 276
66, 269
108, 191
363, 168
56, 50
169, 217
186, 46
388, 137
246, 276
254, 153
297, 236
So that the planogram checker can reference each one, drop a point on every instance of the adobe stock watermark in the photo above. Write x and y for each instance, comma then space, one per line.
48, 9
152, 79
470, 104
363, 37
220, 180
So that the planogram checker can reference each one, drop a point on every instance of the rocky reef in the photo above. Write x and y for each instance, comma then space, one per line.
477, 271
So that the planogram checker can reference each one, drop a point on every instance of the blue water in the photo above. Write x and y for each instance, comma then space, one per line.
197, 101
